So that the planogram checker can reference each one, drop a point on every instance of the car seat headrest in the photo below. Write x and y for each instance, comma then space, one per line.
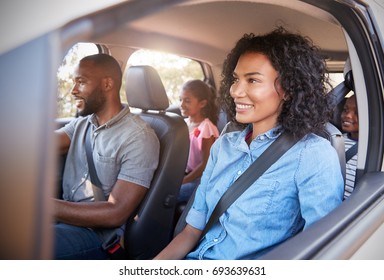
144, 89
348, 76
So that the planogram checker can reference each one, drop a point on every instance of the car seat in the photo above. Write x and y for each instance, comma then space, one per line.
152, 228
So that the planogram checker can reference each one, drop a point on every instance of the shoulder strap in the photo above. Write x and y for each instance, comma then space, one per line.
282, 144
111, 236
351, 152
96, 184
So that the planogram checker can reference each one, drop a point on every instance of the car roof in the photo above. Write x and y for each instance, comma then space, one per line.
209, 29
206, 29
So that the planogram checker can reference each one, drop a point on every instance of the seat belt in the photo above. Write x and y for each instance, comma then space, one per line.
111, 237
96, 184
351, 152
282, 144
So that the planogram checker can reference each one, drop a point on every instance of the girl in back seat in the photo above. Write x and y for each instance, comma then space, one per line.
198, 104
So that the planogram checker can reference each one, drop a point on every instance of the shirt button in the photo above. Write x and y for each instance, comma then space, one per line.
215, 240
239, 172
262, 137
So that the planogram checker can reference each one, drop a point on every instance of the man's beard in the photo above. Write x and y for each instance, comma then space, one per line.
92, 103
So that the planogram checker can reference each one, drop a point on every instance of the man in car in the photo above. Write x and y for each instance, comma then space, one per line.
125, 153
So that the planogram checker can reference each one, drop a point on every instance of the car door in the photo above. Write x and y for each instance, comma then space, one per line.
356, 228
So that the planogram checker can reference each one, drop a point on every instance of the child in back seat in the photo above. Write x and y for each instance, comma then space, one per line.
198, 103
350, 127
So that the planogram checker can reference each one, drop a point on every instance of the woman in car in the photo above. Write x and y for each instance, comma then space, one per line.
271, 83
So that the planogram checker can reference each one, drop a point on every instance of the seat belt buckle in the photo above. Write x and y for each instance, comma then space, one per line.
114, 248
111, 242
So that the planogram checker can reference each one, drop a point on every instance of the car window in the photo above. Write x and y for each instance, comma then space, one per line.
174, 70
336, 78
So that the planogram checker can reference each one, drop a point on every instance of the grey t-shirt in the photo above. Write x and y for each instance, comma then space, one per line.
124, 148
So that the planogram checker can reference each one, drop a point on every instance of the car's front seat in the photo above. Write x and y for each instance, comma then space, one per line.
152, 228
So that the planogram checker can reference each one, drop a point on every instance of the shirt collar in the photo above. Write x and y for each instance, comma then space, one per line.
270, 134
239, 137
115, 119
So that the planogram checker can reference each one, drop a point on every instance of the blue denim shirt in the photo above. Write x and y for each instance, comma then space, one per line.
304, 185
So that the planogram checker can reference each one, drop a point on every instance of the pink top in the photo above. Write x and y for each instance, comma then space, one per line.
206, 129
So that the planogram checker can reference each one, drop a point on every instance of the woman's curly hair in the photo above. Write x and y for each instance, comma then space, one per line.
301, 74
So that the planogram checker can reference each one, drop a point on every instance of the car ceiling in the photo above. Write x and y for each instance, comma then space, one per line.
207, 30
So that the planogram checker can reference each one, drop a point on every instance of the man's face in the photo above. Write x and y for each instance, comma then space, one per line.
87, 89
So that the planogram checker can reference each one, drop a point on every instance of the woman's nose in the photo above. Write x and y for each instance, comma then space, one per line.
237, 90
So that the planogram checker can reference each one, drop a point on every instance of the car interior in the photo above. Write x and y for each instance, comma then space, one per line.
348, 38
